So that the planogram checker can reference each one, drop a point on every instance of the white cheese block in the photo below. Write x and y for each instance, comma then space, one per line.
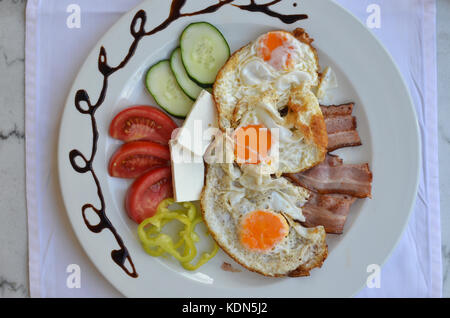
198, 129
188, 173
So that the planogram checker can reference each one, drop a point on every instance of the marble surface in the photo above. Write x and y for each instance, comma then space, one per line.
13, 225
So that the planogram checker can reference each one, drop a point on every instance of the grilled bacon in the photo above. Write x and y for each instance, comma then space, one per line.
329, 210
341, 126
332, 176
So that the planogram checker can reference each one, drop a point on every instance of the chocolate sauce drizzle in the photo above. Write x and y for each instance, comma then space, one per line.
265, 8
137, 29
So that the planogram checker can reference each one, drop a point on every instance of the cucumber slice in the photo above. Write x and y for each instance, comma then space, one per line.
163, 86
187, 85
204, 51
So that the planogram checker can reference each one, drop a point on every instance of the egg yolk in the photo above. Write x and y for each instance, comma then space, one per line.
275, 49
252, 144
262, 230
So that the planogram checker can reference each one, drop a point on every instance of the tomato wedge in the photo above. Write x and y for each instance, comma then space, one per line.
147, 192
136, 157
142, 123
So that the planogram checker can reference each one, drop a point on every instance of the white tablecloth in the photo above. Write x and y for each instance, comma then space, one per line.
54, 54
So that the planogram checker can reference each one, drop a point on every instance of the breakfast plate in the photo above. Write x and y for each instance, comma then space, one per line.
112, 79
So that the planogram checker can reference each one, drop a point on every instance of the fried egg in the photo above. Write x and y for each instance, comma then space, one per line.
275, 61
259, 226
292, 143
273, 73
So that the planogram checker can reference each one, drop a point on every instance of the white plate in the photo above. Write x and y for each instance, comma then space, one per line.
386, 123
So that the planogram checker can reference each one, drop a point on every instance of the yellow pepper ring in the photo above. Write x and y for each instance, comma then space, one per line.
205, 256
156, 243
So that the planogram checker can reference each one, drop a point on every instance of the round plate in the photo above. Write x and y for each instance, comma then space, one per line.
366, 75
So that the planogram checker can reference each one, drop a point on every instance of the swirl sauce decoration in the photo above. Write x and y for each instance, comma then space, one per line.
137, 29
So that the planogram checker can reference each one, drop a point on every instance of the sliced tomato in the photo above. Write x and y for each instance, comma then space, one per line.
142, 123
136, 157
147, 192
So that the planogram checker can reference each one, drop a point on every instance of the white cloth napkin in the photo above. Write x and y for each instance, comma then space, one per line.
54, 54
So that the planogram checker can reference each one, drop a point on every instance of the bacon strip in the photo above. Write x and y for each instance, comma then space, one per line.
337, 124
341, 126
332, 176
335, 187
337, 110
329, 210
343, 139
